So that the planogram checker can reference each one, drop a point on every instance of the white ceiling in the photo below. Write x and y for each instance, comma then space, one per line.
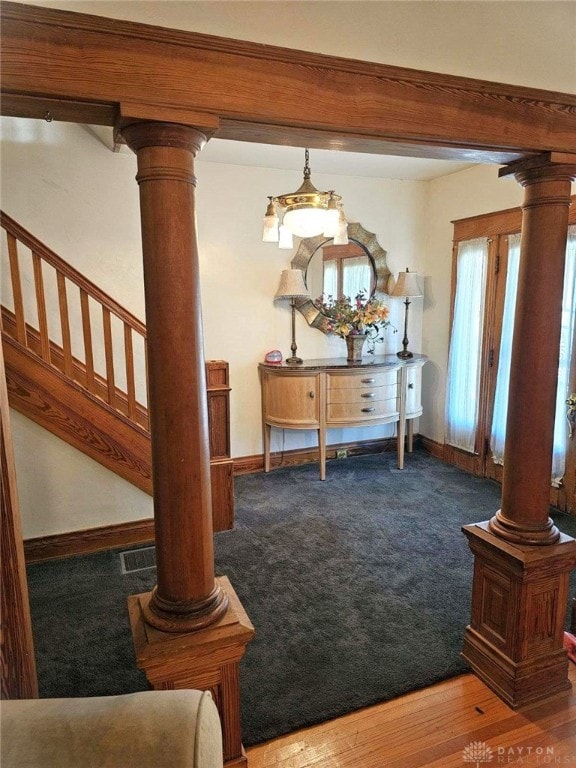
326, 161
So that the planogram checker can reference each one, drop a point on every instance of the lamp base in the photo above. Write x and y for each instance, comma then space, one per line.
404, 354
293, 360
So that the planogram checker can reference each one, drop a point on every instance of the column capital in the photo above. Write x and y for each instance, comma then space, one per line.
142, 134
548, 166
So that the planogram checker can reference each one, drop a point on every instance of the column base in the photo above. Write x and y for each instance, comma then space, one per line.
188, 617
519, 600
206, 659
517, 684
500, 526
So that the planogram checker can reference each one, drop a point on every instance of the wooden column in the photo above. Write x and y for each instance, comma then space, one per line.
524, 517
191, 630
186, 596
522, 562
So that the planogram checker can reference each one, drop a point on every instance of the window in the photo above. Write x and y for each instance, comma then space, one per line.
484, 298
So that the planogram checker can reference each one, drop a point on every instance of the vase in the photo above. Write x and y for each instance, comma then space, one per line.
355, 345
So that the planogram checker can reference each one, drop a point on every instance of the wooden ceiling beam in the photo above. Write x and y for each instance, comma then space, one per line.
86, 66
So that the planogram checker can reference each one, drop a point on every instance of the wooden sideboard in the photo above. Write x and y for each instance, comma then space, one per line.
322, 394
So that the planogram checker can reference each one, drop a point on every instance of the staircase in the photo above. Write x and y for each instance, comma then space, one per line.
76, 365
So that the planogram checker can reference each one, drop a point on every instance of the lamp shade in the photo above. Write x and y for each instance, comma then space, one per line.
292, 285
407, 285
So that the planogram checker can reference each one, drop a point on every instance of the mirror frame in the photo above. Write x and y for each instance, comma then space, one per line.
308, 247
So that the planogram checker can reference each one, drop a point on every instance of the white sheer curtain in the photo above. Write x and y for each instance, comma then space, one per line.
566, 348
330, 285
356, 277
498, 434
464, 361
566, 345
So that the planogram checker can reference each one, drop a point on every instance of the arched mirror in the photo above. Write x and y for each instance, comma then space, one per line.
340, 269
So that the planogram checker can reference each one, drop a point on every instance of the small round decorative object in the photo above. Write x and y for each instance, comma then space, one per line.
274, 356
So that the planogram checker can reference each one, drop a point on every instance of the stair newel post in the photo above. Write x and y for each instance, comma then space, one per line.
522, 562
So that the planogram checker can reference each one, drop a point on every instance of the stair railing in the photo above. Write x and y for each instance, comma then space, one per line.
108, 361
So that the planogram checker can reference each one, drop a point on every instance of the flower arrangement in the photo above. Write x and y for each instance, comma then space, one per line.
362, 316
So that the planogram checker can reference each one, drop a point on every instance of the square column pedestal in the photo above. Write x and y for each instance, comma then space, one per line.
519, 604
207, 659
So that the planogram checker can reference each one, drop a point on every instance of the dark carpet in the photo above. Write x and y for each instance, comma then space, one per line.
358, 587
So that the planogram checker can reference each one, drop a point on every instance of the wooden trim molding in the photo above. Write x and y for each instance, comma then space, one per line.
247, 465
89, 540
98, 64
505, 222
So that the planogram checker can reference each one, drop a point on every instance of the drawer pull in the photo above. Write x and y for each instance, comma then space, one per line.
311, 395
411, 385
368, 410
368, 394
367, 381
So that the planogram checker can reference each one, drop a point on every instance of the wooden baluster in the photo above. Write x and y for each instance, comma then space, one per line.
147, 383
130, 384
109, 356
65, 325
16, 289
87, 333
41, 308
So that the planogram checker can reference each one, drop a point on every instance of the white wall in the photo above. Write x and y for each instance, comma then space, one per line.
78, 197
60, 489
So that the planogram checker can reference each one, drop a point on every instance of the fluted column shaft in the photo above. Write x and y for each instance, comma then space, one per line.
186, 596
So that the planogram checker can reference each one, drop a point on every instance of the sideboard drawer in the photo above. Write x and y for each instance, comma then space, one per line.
356, 412
366, 395
362, 379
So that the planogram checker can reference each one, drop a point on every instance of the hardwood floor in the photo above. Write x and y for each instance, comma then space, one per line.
433, 728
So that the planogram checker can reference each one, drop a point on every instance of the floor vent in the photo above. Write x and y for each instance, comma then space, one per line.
138, 559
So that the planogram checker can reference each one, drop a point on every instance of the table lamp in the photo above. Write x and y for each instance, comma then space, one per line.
292, 287
407, 286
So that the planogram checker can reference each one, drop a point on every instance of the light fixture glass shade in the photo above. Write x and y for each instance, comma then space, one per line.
332, 218
305, 222
407, 285
270, 228
341, 236
285, 238
292, 285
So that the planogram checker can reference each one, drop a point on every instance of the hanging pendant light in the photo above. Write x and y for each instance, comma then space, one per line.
305, 213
